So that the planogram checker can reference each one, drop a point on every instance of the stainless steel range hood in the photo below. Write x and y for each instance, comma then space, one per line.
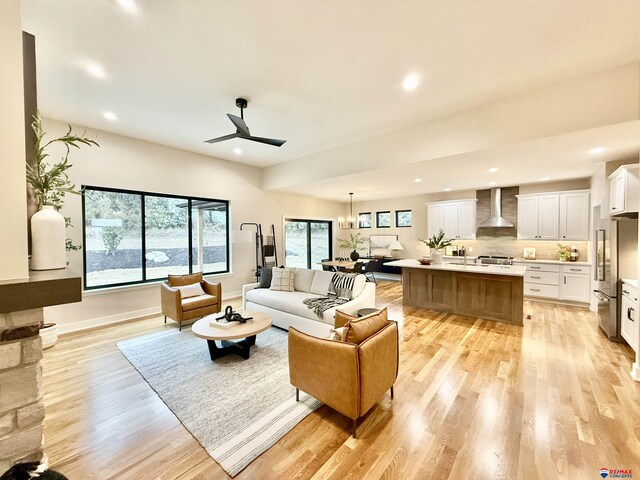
496, 219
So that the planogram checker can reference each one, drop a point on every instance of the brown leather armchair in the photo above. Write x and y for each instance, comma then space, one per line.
182, 309
348, 377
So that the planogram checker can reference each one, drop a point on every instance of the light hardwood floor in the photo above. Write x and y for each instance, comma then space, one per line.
474, 399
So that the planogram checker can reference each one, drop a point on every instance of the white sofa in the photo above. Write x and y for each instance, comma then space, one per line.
286, 308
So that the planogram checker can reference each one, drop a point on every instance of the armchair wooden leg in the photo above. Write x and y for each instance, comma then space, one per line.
165, 319
297, 394
355, 428
179, 326
392, 392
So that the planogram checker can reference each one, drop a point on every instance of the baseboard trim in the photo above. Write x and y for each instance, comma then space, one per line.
635, 372
135, 315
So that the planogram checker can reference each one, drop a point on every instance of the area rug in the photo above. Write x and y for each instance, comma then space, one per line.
235, 408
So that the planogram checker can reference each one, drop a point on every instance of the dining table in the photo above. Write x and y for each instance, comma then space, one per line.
341, 264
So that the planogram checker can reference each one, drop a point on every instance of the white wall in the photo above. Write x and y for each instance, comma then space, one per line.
13, 196
122, 162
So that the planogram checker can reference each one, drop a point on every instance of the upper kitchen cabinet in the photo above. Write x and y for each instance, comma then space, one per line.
457, 218
538, 216
574, 215
554, 216
623, 190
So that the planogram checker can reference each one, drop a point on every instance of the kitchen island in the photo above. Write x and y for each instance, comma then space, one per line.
493, 292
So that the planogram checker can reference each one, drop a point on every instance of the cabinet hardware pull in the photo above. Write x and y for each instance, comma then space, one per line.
535, 277
535, 289
535, 268
629, 310
625, 291
565, 279
575, 269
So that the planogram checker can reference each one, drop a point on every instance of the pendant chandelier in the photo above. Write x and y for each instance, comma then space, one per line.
351, 221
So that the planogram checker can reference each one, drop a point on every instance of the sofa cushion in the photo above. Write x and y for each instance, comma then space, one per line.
265, 277
358, 330
193, 290
303, 279
289, 302
321, 282
193, 303
180, 280
282, 279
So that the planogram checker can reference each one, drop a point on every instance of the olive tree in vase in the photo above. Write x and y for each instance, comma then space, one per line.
436, 243
49, 184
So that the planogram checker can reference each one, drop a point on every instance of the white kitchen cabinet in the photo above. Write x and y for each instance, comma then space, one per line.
554, 216
456, 217
538, 216
629, 328
575, 287
574, 216
557, 280
435, 218
623, 190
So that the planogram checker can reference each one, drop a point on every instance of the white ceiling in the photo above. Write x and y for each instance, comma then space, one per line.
319, 74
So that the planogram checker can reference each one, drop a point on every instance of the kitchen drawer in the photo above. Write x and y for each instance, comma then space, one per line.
548, 278
630, 292
542, 267
576, 269
538, 290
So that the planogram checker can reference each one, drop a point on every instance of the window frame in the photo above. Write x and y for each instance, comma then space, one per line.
378, 219
308, 221
360, 223
142, 195
403, 211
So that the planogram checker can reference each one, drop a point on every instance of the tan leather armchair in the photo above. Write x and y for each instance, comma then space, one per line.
182, 309
348, 377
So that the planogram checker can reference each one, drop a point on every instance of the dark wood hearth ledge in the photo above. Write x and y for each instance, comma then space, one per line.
41, 289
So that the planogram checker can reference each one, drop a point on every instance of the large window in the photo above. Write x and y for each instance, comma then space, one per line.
307, 243
136, 237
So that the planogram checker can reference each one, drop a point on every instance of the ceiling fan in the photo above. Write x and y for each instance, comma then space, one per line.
242, 131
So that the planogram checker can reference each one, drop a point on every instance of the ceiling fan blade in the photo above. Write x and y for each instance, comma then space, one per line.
239, 123
269, 141
222, 139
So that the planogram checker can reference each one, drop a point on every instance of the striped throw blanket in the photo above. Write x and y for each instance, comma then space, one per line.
340, 292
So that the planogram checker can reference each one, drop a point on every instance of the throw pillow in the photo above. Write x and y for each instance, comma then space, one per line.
193, 290
282, 279
337, 334
341, 318
342, 285
265, 277
358, 330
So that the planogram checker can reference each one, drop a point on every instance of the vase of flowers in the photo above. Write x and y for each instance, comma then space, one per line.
436, 243
49, 184
354, 242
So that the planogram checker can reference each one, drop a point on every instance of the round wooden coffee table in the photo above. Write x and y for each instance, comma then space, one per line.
247, 331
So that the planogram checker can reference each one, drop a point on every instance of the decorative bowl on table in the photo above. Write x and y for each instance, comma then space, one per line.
424, 261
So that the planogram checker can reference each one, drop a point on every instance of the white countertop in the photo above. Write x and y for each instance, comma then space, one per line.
631, 281
554, 262
510, 270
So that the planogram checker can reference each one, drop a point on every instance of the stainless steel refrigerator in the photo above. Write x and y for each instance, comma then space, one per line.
616, 247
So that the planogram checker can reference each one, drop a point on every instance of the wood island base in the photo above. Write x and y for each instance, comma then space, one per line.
494, 297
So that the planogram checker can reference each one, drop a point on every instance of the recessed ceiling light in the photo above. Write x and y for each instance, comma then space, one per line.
110, 116
95, 70
417, 180
411, 82
492, 183
447, 189
545, 179
493, 169
237, 151
596, 150
128, 5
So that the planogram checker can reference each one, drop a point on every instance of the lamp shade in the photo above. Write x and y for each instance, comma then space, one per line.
396, 245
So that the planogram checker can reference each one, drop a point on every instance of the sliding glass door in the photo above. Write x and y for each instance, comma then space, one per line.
307, 242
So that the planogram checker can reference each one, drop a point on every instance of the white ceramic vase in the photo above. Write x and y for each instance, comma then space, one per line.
436, 257
48, 250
